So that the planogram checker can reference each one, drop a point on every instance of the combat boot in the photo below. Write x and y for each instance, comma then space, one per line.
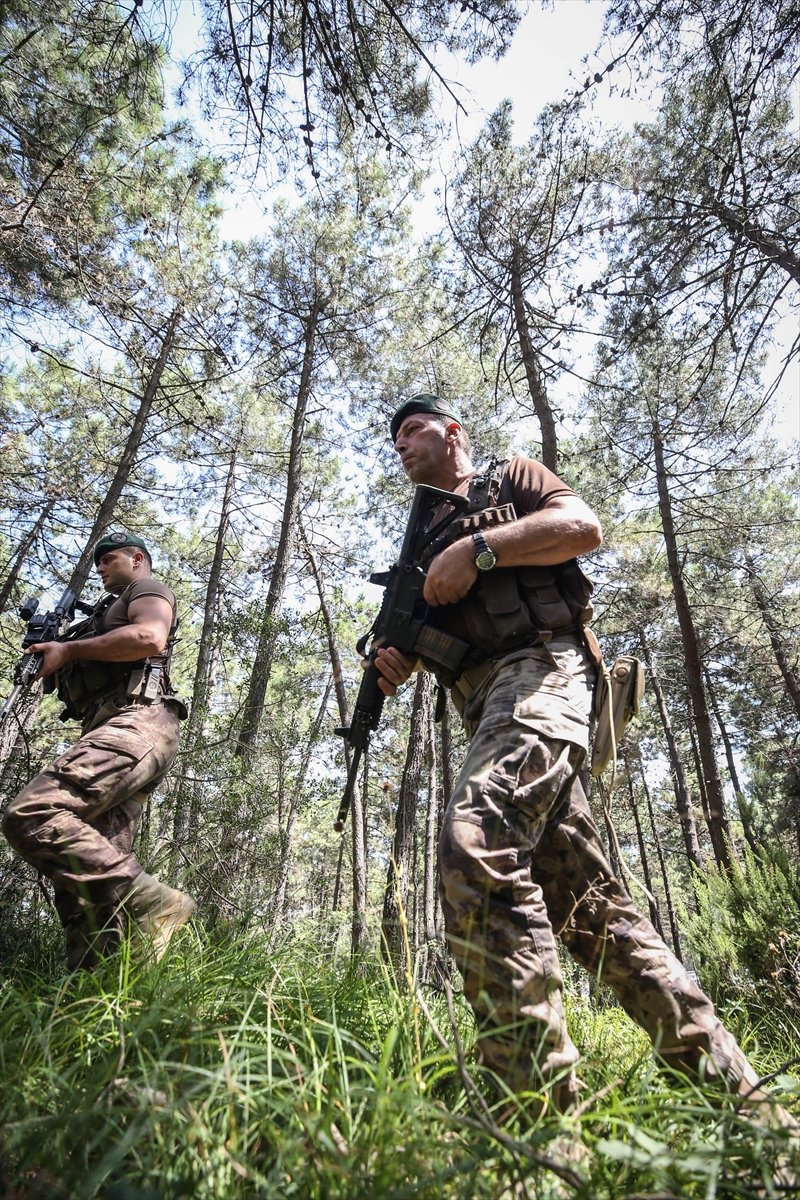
157, 910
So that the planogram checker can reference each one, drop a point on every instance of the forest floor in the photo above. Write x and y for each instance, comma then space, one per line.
227, 1072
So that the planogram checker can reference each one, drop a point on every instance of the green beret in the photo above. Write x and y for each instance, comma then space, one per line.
115, 541
423, 403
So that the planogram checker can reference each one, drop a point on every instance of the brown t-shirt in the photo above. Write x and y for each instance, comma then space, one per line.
116, 615
530, 485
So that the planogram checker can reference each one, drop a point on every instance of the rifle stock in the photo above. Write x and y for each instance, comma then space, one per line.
400, 621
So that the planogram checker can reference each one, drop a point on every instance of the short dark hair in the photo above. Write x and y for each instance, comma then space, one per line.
131, 550
442, 420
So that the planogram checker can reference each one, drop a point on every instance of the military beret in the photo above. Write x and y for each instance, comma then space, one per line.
423, 403
115, 541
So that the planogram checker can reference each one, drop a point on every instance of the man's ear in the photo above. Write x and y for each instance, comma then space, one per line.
453, 429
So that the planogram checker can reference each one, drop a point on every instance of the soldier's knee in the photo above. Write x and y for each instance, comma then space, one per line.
20, 820
457, 847
15, 826
470, 862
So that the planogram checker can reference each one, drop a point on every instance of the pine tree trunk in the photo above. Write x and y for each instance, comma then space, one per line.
262, 666
10, 581
719, 828
431, 834
701, 789
185, 792
776, 641
435, 964
358, 808
655, 916
611, 842
15, 761
530, 361
741, 801
683, 801
395, 901
278, 905
662, 863
125, 465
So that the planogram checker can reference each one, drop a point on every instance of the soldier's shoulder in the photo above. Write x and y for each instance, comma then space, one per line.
148, 587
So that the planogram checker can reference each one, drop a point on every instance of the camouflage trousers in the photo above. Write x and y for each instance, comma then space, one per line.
522, 862
76, 821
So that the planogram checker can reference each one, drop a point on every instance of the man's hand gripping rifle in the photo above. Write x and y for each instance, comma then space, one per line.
42, 627
401, 623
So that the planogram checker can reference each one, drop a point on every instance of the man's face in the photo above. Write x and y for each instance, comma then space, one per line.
422, 446
117, 569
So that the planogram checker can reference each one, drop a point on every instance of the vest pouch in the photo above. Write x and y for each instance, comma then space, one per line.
442, 654
500, 621
81, 682
542, 596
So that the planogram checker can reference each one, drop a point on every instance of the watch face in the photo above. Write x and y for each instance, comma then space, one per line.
485, 560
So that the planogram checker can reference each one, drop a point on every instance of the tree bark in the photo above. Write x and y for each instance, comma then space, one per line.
683, 801
262, 666
762, 239
395, 900
185, 793
533, 374
776, 641
431, 836
10, 581
295, 804
358, 807
655, 915
662, 863
125, 465
741, 801
719, 828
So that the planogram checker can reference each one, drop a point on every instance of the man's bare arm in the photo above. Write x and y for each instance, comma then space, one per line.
563, 529
146, 635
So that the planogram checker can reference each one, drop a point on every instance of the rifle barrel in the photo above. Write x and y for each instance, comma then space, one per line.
10, 701
347, 796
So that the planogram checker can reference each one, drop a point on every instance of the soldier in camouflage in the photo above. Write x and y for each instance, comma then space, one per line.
76, 821
521, 860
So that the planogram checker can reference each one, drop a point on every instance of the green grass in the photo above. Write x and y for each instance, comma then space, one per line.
224, 1073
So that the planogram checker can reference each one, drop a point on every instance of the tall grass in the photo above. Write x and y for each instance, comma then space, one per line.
226, 1072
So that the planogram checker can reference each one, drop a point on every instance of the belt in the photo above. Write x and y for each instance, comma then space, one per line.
118, 697
470, 680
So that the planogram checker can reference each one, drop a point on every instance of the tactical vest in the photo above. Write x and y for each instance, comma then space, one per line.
508, 607
82, 685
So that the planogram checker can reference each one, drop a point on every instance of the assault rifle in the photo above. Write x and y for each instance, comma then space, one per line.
402, 623
42, 627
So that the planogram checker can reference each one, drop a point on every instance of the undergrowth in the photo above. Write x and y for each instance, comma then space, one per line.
228, 1073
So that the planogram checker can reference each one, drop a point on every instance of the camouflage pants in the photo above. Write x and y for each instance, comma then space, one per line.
76, 821
521, 862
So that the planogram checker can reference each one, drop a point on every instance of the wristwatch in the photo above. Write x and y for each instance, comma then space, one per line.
485, 557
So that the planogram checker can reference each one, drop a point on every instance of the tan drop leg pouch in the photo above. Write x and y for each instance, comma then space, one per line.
618, 696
